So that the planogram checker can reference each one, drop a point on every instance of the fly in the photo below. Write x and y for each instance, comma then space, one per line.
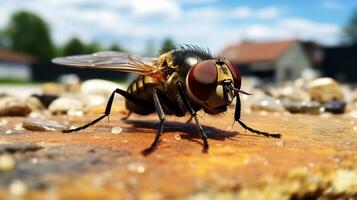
183, 80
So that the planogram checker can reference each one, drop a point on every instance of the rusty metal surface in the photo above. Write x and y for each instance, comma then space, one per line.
317, 156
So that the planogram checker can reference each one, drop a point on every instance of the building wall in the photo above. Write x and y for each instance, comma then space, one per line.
291, 64
14, 70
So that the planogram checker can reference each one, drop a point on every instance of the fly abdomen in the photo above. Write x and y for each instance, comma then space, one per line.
142, 87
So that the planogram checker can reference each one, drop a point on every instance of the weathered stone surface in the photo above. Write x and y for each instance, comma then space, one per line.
325, 89
52, 89
99, 87
315, 158
12, 106
63, 105
35, 124
335, 106
267, 104
298, 106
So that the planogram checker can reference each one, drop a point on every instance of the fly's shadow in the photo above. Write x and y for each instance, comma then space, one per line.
189, 129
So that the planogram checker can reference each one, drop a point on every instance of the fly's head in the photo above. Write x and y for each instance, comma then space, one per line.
213, 84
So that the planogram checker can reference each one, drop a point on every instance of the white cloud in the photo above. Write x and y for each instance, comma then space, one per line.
263, 13
134, 22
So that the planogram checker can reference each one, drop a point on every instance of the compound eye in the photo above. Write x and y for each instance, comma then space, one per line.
235, 73
202, 79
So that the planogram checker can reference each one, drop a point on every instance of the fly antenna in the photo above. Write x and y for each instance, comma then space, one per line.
241, 91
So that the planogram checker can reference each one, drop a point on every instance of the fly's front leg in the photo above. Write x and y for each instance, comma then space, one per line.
190, 109
108, 108
161, 115
237, 118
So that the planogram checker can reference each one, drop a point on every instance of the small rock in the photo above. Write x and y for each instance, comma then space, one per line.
289, 92
64, 104
99, 87
177, 137
12, 106
34, 124
94, 100
7, 162
116, 130
325, 90
354, 114
354, 128
52, 89
70, 82
19, 147
43, 114
3, 122
18, 188
335, 106
34, 103
296, 106
19, 127
267, 104
136, 167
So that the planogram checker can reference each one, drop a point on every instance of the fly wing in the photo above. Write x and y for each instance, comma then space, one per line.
111, 60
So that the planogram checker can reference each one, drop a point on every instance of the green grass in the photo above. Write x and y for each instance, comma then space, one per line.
12, 81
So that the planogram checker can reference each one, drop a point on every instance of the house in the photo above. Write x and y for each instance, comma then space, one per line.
275, 61
15, 65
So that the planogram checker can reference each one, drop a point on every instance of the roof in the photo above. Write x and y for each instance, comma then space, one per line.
7, 55
249, 52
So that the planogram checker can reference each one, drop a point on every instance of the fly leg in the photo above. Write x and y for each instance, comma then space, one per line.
127, 116
189, 120
237, 118
126, 95
161, 115
190, 109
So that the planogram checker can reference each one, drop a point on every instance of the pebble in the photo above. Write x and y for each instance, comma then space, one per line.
70, 82
297, 106
19, 127
325, 90
136, 167
289, 92
52, 89
177, 137
94, 100
267, 104
35, 124
116, 130
12, 106
18, 188
354, 114
64, 104
3, 122
99, 87
355, 128
335, 106
34, 103
7, 162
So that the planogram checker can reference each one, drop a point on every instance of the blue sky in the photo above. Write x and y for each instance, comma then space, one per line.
209, 23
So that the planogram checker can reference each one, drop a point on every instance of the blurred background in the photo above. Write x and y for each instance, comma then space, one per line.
274, 40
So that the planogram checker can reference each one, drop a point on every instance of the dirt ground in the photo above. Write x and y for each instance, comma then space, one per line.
316, 157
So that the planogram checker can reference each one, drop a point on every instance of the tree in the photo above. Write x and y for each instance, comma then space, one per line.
351, 29
75, 46
116, 47
167, 46
28, 33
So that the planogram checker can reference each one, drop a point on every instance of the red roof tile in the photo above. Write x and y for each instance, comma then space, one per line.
256, 52
7, 55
